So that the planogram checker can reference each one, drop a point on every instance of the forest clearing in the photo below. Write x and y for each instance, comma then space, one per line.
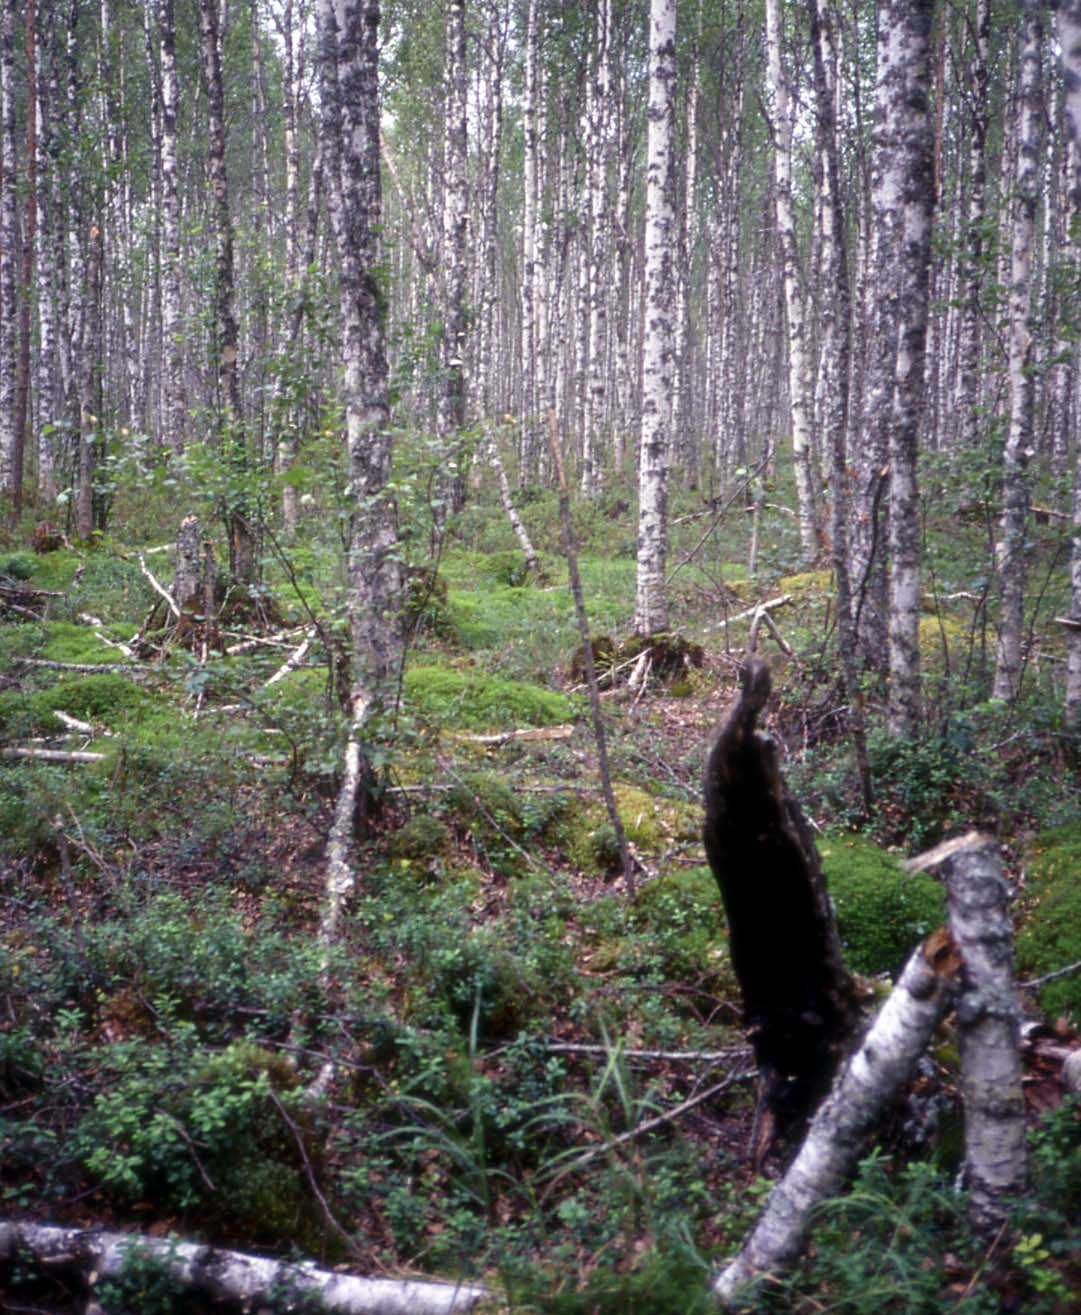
540, 657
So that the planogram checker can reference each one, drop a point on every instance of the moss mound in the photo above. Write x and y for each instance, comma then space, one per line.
882, 912
1050, 934
672, 658
650, 824
476, 701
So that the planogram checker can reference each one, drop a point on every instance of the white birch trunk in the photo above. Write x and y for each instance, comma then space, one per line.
873, 1077
909, 193
1069, 37
9, 231
530, 273
1012, 548
800, 393
658, 362
172, 400
348, 49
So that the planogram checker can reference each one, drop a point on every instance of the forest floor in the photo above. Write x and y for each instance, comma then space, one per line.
537, 1074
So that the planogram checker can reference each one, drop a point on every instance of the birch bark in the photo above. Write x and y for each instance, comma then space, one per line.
909, 193
800, 394
658, 361
172, 404
1069, 37
226, 346
455, 221
9, 236
348, 56
1012, 547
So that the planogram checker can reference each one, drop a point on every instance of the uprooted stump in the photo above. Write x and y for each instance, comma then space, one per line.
670, 659
800, 1002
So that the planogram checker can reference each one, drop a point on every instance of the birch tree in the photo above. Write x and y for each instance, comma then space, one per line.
801, 404
909, 193
172, 402
1019, 439
1069, 37
658, 360
9, 237
348, 57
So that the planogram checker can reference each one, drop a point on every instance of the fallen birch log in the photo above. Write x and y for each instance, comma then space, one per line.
49, 665
51, 755
528, 733
249, 1282
839, 1131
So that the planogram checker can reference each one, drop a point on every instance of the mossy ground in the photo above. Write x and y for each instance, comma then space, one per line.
489, 932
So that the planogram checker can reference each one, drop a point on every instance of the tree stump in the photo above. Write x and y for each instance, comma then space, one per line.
799, 1001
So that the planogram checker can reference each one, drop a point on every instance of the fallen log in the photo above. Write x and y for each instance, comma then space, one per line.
51, 755
249, 1282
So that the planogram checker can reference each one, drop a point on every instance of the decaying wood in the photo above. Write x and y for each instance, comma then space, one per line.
159, 589
51, 755
871, 1079
292, 662
800, 1003
988, 1026
250, 1282
528, 733
50, 665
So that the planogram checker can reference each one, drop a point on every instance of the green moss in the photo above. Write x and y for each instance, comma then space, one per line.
421, 840
102, 697
484, 801
882, 912
942, 640
67, 642
806, 583
1050, 933
477, 701
651, 825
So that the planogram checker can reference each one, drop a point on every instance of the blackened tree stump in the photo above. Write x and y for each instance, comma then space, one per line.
799, 1001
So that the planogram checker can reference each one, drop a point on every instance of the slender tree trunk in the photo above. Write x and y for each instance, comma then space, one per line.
799, 372
242, 542
172, 402
348, 56
530, 271
838, 336
48, 369
1012, 547
453, 269
9, 246
909, 192
968, 398
1069, 38
658, 362
22, 393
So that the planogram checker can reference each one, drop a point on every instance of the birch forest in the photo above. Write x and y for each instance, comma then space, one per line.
421, 424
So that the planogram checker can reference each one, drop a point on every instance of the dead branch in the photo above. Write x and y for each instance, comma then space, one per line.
768, 606
293, 661
159, 589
